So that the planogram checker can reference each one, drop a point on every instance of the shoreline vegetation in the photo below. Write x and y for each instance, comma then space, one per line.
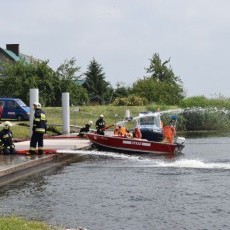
190, 121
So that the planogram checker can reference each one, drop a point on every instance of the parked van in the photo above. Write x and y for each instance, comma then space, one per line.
15, 108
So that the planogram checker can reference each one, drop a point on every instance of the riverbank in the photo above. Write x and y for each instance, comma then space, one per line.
18, 223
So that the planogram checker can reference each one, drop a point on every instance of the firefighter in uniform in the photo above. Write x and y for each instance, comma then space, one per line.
6, 139
85, 129
39, 128
100, 125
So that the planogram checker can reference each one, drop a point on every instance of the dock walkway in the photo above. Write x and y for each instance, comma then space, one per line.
14, 167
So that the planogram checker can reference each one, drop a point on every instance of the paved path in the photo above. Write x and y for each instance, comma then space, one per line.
12, 166
58, 143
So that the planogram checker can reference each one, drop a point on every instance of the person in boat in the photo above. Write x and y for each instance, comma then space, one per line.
169, 133
116, 131
85, 129
39, 129
100, 125
120, 131
129, 134
137, 133
6, 139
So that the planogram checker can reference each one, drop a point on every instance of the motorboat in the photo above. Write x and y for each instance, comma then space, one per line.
155, 139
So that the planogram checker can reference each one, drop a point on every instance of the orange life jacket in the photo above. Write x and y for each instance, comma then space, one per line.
120, 131
169, 133
116, 130
137, 133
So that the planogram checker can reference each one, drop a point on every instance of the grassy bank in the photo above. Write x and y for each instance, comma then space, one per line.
17, 223
78, 117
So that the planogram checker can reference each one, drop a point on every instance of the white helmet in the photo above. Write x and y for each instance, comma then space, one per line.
7, 124
37, 104
101, 115
90, 122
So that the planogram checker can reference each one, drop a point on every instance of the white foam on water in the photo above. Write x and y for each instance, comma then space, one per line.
98, 153
152, 162
194, 163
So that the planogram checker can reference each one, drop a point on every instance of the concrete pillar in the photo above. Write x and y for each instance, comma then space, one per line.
127, 114
34, 97
65, 114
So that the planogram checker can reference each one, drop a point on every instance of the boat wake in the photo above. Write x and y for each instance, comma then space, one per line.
195, 164
157, 161
97, 153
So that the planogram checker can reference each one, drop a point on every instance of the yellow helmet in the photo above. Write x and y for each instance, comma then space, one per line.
90, 122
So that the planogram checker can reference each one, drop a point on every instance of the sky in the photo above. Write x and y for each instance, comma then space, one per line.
123, 35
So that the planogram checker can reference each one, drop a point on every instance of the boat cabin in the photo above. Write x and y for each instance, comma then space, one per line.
150, 125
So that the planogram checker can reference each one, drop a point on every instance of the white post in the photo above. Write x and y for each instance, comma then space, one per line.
65, 114
34, 96
127, 114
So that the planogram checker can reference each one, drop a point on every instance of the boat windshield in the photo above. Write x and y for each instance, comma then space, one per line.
147, 121
143, 121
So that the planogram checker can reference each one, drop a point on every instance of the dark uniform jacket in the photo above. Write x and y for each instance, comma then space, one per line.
85, 129
100, 124
6, 137
39, 124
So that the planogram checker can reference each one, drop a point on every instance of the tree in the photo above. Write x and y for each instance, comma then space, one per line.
67, 74
159, 92
98, 88
21, 76
160, 71
121, 90
162, 86
68, 70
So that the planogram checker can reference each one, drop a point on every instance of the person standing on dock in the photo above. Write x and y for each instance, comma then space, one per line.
100, 125
39, 128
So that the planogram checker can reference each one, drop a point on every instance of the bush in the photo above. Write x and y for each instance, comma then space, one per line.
206, 119
131, 100
203, 102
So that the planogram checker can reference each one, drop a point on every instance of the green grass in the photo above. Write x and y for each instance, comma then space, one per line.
17, 223
112, 114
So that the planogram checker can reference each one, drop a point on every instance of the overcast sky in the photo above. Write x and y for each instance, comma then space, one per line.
122, 36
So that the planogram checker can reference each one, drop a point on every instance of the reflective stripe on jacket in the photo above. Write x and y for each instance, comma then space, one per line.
39, 124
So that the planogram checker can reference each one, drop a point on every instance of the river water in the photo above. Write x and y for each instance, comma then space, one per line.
108, 191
